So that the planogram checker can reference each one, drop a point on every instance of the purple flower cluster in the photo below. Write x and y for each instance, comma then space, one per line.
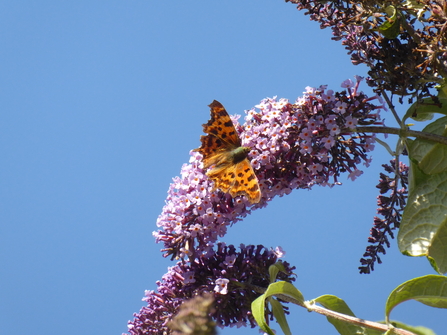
391, 202
294, 145
231, 275
409, 63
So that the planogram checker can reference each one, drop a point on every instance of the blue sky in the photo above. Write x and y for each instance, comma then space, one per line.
102, 102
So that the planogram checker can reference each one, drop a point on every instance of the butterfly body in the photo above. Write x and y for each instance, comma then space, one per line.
225, 159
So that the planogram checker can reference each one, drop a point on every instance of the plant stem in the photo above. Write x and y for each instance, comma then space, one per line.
357, 321
391, 106
401, 133
311, 307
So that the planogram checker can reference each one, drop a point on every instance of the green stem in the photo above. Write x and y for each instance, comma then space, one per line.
312, 307
356, 321
391, 106
402, 133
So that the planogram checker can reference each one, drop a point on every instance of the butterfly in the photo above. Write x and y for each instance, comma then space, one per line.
224, 157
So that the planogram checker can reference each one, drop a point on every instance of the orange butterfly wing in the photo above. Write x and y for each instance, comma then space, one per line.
225, 158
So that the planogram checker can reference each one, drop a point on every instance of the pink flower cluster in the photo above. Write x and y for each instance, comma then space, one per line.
229, 273
294, 145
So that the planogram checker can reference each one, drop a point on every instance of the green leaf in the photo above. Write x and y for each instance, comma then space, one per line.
339, 305
275, 269
257, 309
273, 272
416, 5
285, 288
438, 249
419, 148
431, 290
413, 4
334, 303
386, 146
416, 176
418, 330
424, 110
431, 156
442, 91
423, 228
280, 316
278, 288
435, 161
391, 28
420, 110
